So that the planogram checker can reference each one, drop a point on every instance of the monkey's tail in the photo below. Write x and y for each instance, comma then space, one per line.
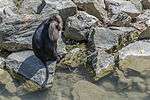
47, 76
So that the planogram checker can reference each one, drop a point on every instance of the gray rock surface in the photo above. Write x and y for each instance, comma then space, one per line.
120, 19
117, 6
135, 56
114, 38
79, 26
93, 7
104, 63
26, 64
66, 8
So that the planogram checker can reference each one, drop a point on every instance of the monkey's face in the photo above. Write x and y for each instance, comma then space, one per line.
58, 19
59, 27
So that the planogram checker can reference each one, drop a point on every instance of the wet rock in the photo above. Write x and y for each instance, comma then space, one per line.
93, 7
108, 86
27, 68
63, 85
84, 90
138, 84
117, 6
79, 26
114, 38
147, 81
124, 84
120, 19
146, 4
135, 56
136, 95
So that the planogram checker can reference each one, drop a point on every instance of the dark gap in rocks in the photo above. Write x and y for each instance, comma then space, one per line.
4, 53
133, 20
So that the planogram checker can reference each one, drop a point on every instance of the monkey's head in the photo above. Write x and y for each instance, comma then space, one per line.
58, 19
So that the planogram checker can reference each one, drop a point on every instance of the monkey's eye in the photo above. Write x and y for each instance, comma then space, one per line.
58, 27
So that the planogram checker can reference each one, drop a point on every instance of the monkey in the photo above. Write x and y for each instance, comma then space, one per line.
44, 41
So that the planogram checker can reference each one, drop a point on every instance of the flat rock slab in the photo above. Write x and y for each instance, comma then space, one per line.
29, 66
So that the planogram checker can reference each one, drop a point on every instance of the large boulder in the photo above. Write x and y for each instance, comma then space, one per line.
79, 26
66, 8
135, 56
93, 7
27, 68
117, 6
114, 38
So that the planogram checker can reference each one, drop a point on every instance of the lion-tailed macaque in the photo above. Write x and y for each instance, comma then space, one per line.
44, 41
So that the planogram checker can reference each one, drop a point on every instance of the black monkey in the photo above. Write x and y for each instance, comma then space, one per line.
44, 41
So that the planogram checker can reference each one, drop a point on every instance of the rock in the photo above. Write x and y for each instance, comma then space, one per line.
138, 4
124, 84
2, 62
6, 3
108, 86
144, 16
138, 48
136, 95
114, 38
93, 7
120, 19
66, 8
117, 6
30, 6
138, 84
140, 26
25, 65
145, 34
146, 4
147, 81
135, 56
102, 64
75, 57
84, 90
79, 26
62, 85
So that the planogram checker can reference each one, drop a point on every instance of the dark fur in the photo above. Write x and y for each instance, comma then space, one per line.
44, 41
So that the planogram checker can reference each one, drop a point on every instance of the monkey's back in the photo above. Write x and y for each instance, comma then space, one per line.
41, 43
